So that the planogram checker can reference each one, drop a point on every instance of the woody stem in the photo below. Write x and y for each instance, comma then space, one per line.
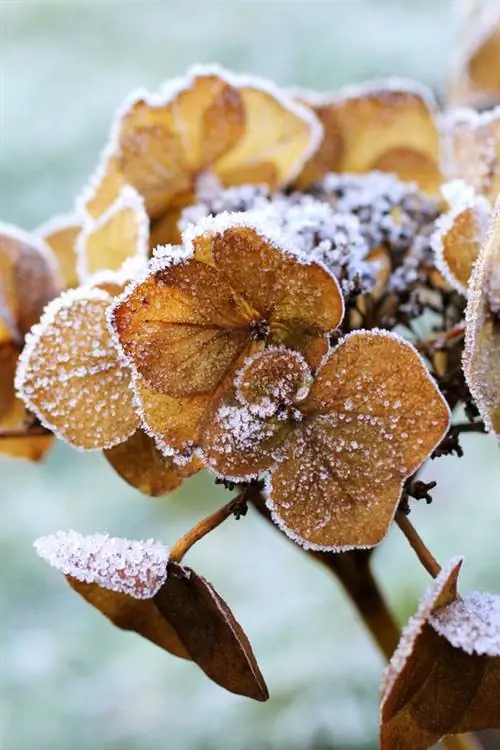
423, 553
235, 507
439, 338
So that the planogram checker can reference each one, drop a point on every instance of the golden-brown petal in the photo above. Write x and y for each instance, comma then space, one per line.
104, 188
120, 234
472, 143
29, 277
119, 578
280, 135
210, 633
9, 354
274, 378
300, 301
460, 234
70, 374
139, 462
372, 416
165, 141
481, 361
390, 127
173, 421
60, 233
182, 328
328, 155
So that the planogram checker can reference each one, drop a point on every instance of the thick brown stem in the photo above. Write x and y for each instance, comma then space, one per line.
424, 555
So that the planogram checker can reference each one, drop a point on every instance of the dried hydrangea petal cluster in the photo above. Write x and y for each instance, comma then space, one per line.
444, 677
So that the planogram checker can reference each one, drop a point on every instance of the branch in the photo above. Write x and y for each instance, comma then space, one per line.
423, 553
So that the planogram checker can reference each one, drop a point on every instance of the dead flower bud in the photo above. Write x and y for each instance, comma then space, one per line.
136, 587
444, 676
338, 447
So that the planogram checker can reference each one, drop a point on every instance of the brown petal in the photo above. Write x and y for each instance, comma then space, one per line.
139, 462
182, 328
372, 416
481, 361
279, 137
473, 146
60, 234
119, 235
29, 277
460, 234
210, 633
328, 156
392, 128
71, 377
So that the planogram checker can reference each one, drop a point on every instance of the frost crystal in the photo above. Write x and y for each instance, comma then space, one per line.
129, 567
471, 624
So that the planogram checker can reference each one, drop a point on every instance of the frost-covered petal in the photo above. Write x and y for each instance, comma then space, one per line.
181, 328
118, 235
481, 362
29, 278
372, 416
140, 463
329, 153
71, 376
471, 623
60, 233
279, 136
460, 233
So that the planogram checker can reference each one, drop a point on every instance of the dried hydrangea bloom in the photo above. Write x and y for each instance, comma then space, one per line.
383, 125
472, 148
61, 233
475, 79
481, 362
135, 586
241, 129
444, 676
460, 232
70, 374
189, 324
118, 236
339, 451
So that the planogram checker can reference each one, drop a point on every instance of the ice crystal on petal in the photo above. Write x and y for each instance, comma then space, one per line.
130, 567
471, 623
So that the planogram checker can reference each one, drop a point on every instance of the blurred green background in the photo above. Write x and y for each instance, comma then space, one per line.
67, 677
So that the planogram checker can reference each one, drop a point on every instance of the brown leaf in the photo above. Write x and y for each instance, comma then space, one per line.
139, 462
481, 362
444, 678
209, 632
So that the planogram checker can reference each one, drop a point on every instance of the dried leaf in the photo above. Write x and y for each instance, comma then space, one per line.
117, 577
460, 233
29, 278
119, 235
70, 374
279, 136
481, 361
60, 233
139, 462
210, 633
445, 674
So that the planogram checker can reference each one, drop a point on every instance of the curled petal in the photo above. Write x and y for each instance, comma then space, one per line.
120, 234
372, 416
481, 360
328, 156
60, 233
70, 374
472, 143
272, 379
279, 136
139, 462
29, 278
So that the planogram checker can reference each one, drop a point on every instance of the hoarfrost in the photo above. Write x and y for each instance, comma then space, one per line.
471, 623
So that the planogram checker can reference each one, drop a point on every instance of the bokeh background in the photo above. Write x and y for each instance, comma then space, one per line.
67, 677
